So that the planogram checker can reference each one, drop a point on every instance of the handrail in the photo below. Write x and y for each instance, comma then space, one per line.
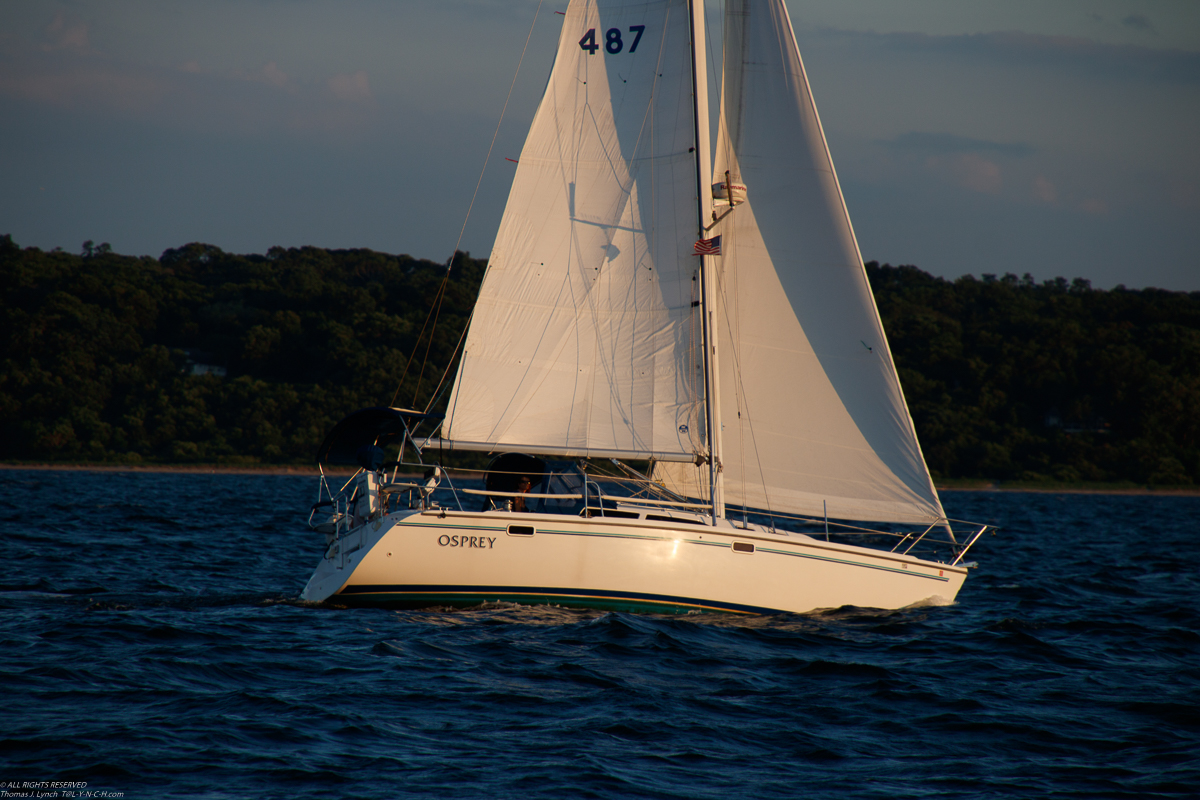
650, 502
903, 542
915, 541
974, 539
492, 493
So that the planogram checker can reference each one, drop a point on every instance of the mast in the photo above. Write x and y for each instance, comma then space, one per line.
708, 306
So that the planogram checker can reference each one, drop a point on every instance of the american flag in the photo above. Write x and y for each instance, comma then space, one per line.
708, 247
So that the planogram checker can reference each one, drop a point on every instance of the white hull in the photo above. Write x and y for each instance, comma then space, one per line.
442, 557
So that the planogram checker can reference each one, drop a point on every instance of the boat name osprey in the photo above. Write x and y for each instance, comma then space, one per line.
486, 542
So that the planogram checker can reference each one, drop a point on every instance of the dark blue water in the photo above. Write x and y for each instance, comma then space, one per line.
152, 646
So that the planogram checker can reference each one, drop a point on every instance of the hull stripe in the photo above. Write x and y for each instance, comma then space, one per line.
480, 594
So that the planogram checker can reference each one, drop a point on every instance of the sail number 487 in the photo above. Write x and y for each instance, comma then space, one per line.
613, 42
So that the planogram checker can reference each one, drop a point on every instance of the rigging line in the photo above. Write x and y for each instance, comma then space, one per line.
726, 277
454, 354
572, 257
445, 278
695, 355
723, 111
726, 145
417, 344
740, 388
496, 133
713, 70
436, 312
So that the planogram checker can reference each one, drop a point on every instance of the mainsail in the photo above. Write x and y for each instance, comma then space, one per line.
584, 340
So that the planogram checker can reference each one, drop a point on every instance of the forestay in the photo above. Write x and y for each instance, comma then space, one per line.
814, 420
583, 339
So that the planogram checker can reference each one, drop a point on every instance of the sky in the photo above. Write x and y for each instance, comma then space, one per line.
970, 136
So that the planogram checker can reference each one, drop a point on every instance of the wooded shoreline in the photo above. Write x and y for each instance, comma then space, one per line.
201, 358
298, 471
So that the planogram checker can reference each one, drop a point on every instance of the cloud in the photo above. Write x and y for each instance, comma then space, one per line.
965, 162
268, 74
353, 88
273, 75
73, 86
1018, 50
66, 34
187, 96
1043, 190
1139, 22
970, 171
926, 143
1094, 206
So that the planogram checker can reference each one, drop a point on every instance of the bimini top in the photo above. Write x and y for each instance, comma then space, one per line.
382, 427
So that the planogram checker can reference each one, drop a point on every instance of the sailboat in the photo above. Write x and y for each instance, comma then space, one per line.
675, 360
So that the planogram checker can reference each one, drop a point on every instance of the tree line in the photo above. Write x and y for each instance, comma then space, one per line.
202, 356
1012, 379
